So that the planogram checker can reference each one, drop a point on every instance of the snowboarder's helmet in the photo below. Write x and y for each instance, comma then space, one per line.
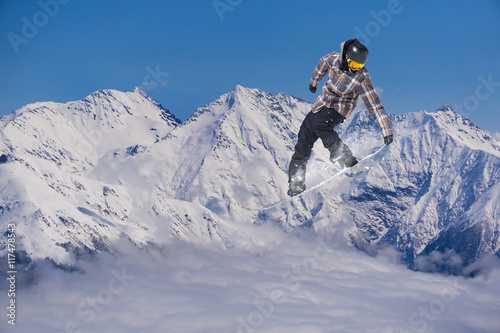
356, 55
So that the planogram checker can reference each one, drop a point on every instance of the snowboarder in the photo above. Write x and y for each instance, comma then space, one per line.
347, 80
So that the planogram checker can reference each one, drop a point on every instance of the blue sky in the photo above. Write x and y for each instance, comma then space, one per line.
423, 54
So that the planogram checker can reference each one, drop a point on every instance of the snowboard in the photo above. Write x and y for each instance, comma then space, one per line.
323, 182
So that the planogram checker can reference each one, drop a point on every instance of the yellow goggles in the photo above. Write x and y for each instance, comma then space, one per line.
354, 65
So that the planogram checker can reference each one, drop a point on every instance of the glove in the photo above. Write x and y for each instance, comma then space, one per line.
312, 88
388, 139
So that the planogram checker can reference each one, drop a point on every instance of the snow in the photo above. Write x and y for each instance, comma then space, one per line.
227, 161
91, 177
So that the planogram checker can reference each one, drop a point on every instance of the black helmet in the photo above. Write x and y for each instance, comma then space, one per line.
357, 52
354, 54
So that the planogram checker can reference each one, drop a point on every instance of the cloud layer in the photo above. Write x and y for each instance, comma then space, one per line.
296, 282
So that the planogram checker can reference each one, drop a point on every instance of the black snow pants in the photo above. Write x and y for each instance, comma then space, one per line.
316, 125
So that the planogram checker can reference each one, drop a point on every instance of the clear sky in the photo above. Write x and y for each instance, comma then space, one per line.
186, 53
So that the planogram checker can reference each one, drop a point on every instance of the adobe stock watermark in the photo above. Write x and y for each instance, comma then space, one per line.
155, 78
292, 280
30, 27
381, 19
483, 91
430, 312
90, 307
224, 6
11, 273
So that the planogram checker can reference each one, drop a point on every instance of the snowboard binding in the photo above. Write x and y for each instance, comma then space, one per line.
343, 156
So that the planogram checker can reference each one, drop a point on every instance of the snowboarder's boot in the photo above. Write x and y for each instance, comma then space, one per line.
296, 183
295, 188
348, 161
344, 156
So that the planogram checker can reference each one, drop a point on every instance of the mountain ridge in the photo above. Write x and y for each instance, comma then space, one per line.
204, 178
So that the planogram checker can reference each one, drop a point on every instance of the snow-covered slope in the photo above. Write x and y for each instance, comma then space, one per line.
78, 134
435, 187
48, 191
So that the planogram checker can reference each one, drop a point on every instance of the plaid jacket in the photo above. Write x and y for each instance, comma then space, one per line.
342, 90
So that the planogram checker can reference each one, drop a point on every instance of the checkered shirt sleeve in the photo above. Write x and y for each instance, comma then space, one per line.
374, 106
320, 71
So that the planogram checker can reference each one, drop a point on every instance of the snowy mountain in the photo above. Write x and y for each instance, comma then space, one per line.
80, 176
436, 188
50, 151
